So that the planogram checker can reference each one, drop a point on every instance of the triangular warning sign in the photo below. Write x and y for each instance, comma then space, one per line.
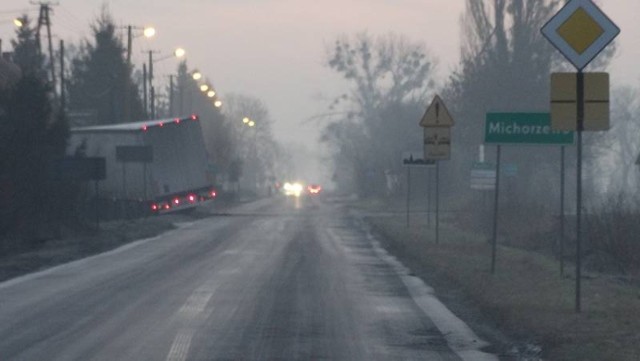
436, 115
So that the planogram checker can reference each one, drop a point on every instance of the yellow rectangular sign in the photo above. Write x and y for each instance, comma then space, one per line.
564, 97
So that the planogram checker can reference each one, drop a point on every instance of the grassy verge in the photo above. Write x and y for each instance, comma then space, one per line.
18, 257
526, 297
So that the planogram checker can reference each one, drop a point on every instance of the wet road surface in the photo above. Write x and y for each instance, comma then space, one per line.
279, 279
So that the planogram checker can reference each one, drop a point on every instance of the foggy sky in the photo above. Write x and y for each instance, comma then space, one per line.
275, 49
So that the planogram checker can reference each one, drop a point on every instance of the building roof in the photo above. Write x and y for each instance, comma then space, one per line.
135, 126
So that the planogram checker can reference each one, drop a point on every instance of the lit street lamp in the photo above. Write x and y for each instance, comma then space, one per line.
177, 53
148, 32
18, 22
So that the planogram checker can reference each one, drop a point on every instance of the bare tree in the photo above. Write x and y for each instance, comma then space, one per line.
389, 78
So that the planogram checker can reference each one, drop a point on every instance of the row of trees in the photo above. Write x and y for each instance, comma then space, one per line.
505, 66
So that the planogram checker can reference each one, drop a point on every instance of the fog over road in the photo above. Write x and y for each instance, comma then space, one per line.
279, 279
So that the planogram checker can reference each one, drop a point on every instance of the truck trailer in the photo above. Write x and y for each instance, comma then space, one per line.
161, 164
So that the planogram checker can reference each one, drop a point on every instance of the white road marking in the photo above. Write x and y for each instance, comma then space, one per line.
181, 344
196, 303
194, 306
460, 338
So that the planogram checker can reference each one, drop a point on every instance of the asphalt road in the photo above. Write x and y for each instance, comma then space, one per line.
280, 279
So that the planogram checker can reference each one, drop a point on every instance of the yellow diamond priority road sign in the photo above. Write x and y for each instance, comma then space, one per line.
580, 30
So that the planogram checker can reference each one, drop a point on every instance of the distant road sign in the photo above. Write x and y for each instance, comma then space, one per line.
483, 176
580, 30
564, 99
437, 115
416, 158
437, 143
523, 129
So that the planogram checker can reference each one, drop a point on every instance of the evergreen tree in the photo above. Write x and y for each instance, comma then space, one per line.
32, 137
100, 75
25, 49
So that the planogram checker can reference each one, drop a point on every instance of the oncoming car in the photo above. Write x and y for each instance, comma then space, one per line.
292, 189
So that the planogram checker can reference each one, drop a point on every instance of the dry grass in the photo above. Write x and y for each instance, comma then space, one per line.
526, 297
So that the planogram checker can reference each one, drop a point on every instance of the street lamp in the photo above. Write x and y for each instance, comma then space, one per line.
246, 120
211, 93
177, 53
217, 103
204, 88
196, 75
18, 22
148, 32
251, 123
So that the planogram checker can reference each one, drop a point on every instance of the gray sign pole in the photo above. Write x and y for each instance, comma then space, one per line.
428, 198
494, 241
580, 90
437, 202
562, 160
408, 195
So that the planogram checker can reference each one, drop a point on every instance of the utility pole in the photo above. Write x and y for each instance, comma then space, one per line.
170, 96
127, 88
144, 88
152, 95
44, 19
63, 97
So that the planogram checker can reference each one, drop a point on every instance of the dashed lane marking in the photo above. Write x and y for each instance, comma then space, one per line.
181, 344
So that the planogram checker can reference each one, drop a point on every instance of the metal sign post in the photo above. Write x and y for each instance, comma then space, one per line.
408, 197
437, 123
580, 85
414, 159
496, 196
437, 202
580, 31
517, 129
428, 198
562, 167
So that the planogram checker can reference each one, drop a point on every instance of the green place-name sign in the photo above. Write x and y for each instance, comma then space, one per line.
523, 128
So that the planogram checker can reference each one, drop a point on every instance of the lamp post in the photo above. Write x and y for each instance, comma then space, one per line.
147, 32
177, 53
